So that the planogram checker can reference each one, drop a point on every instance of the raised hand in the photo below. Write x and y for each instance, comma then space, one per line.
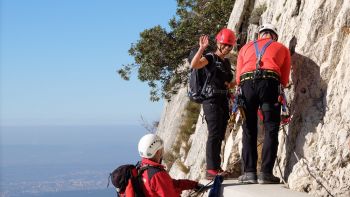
203, 41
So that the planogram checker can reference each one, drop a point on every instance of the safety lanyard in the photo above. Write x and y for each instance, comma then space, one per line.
259, 54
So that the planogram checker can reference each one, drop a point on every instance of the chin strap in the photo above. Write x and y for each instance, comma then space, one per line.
220, 49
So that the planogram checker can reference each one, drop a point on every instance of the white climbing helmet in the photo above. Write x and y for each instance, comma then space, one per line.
268, 27
149, 145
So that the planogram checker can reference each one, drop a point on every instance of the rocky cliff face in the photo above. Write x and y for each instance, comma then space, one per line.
314, 149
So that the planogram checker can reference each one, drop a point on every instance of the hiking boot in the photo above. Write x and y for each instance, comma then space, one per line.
211, 174
248, 177
268, 178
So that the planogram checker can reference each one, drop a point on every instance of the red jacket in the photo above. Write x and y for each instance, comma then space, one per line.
161, 184
276, 58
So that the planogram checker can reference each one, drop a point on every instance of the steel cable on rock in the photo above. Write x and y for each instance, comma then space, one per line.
200, 190
303, 163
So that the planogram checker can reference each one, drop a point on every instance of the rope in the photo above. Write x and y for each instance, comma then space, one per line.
312, 175
200, 189
303, 162
279, 167
278, 162
307, 167
203, 117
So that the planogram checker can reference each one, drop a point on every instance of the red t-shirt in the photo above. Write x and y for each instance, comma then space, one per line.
276, 58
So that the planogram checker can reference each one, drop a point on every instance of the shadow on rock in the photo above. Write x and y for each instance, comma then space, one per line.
308, 106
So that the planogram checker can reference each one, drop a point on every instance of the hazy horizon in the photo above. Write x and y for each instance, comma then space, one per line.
67, 118
64, 158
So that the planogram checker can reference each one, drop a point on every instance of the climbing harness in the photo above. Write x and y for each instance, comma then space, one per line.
236, 101
282, 100
285, 115
264, 74
258, 72
237, 104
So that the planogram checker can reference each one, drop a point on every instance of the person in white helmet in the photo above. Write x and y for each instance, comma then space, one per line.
263, 66
157, 181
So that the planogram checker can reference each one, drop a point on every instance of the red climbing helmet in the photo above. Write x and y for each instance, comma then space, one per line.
226, 36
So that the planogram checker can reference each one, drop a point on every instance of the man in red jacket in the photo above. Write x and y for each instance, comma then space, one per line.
157, 181
262, 66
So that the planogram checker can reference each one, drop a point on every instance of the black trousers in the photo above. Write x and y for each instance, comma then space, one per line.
216, 113
261, 93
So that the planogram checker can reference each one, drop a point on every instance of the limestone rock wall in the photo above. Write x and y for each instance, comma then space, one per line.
314, 149
171, 118
195, 159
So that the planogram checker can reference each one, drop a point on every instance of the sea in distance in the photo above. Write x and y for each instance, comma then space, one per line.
69, 161
89, 193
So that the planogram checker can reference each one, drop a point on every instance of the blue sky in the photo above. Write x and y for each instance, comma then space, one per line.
59, 60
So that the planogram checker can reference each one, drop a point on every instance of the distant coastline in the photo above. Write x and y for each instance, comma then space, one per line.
39, 161
88, 193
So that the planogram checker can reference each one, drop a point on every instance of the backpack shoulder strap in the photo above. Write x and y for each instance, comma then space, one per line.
210, 72
152, 170
213, 68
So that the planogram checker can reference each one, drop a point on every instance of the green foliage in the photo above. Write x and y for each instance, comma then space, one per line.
256, 14
183, 167
159, 54
169, 158
187, 127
